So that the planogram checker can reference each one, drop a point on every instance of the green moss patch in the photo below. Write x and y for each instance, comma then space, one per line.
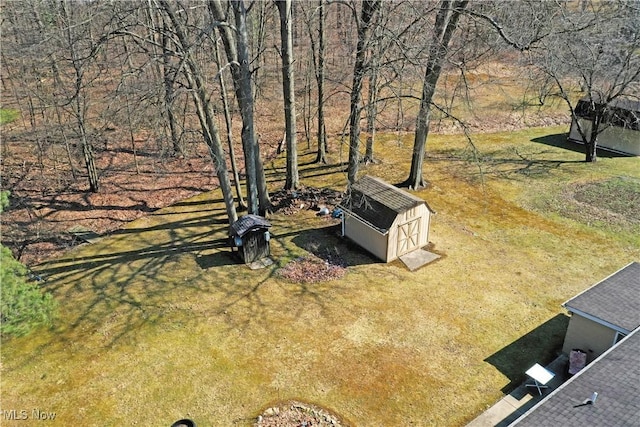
8, 115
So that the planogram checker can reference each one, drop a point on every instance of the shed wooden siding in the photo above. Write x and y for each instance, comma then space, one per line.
620, 127
420, 214
585, 334
366, 236
614, 138
252, 230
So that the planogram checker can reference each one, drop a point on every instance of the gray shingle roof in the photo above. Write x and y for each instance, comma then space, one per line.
615, 300
615, 376
248, 223
377, 202
624, 103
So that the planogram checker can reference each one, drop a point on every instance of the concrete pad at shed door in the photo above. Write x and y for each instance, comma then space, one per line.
418, 258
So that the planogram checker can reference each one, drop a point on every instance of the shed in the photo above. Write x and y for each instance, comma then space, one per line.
605, 313
249, 236
620, 127
385, 220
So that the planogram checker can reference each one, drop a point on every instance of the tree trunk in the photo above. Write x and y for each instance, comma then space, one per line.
87, 151
591, 145
130, 111
227, 120
369, 8
446, 22
321, 156
372, 112
237, 50
306, 104
168, 77
205, 114
288, 90
79, 102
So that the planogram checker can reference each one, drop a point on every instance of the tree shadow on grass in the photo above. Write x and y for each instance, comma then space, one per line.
312, 171
541, 345
131, 278
510, 165
176, 271
559, 140
516, 162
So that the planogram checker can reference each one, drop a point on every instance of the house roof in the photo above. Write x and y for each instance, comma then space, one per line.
614, 301
378, 203
248, 223
615, 376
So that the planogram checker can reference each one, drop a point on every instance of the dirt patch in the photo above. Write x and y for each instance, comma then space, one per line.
297, 414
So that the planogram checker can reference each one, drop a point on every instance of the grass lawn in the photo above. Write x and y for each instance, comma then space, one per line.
157, 322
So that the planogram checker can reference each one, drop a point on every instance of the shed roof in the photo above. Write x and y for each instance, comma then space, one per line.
248, 223
623, 103
378, 203
615, 376
614, 300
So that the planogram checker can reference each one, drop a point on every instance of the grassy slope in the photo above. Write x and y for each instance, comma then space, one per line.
157, 322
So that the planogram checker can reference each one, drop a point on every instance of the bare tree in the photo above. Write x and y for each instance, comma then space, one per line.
318, 52
322, 132
288, 90
360, 69
236, 43
593, 51
228, 121
446, 22
81, 50
203, 106
590, 51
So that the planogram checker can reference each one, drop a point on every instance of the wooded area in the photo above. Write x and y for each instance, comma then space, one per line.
172, 75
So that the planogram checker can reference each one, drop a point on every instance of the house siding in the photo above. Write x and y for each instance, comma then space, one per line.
587, 335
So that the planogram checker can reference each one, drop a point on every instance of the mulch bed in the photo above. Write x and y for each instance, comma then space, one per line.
297, 414
313, 269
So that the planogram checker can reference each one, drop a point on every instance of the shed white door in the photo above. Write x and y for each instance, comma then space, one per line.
408, 236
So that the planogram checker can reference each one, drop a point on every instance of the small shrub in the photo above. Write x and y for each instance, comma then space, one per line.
22, 305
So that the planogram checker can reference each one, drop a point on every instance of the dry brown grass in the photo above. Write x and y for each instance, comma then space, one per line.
158, 323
